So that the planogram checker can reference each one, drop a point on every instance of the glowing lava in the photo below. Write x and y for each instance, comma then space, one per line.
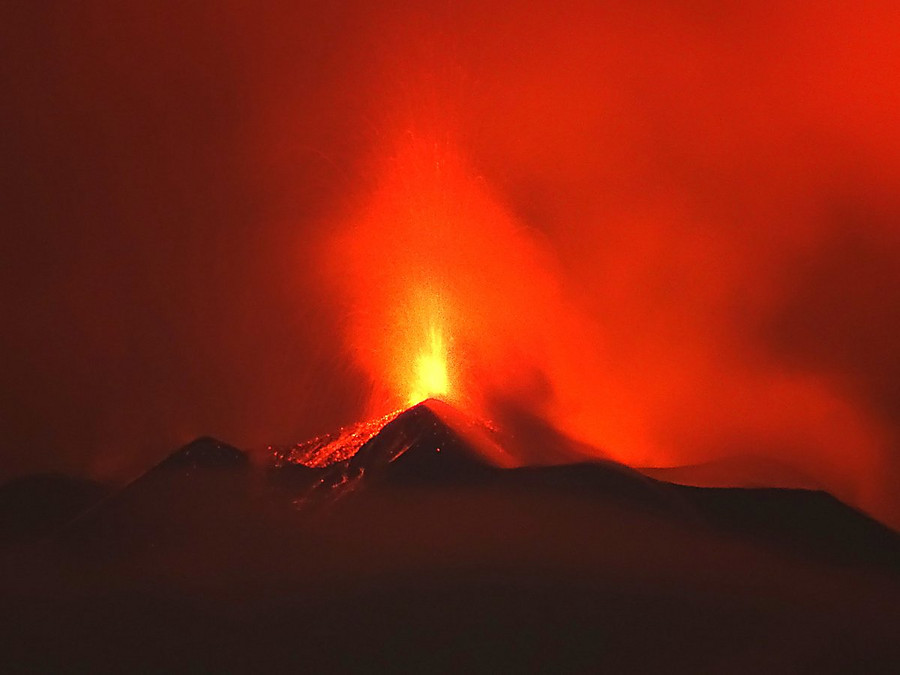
430, 379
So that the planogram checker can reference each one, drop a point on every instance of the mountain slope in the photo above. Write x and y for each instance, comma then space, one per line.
420, 551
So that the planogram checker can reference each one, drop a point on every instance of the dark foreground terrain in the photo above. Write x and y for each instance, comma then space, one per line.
415, 555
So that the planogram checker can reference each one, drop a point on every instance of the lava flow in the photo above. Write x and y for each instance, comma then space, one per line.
332, 448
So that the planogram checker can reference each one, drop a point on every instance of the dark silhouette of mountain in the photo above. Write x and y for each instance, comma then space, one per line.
420, 445
205, 453
34, 506
434, 443
808, 523
427, 550
194, 485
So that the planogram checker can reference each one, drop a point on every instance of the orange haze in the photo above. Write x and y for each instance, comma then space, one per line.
670, 230
601, 229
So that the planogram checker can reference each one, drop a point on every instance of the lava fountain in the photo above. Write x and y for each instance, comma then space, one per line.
447, 295
430, 379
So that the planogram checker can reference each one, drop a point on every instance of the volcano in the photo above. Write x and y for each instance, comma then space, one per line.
418, 542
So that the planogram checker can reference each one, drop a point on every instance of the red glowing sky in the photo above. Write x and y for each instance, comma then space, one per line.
670, 231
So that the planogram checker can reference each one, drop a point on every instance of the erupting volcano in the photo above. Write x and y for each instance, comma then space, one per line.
537, 337
501, 505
